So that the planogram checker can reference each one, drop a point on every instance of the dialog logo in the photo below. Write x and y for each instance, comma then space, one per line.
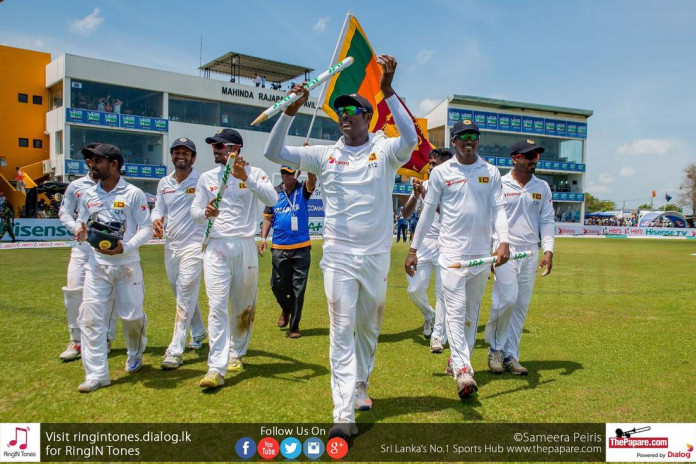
291, 448
313, 448
268, 448
245, 447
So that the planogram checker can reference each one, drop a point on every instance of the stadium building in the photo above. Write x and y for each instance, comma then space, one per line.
142, 110
561, 131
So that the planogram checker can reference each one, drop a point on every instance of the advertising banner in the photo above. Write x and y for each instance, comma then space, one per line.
126, 121
513, 123
143, 171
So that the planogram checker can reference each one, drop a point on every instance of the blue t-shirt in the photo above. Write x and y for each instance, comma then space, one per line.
289, 205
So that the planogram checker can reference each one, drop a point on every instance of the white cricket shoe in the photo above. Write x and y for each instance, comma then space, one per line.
428, 328
90, 385
72, 351
436, 345
134, 363
362, 401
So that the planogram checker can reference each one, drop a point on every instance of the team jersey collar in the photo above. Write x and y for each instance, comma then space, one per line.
121, 185
372, 138
511, 180
193, 175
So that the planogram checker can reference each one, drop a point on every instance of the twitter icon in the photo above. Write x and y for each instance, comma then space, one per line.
290, 448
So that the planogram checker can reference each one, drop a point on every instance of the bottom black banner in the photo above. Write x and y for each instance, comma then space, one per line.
374, 442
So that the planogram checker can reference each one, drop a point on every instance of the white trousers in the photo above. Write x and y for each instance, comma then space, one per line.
418, 291
512, 291
463, 290
120, 286
356, 293
231, 277
72, 294
184, 270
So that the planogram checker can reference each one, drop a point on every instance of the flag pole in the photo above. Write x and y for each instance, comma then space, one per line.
322, 95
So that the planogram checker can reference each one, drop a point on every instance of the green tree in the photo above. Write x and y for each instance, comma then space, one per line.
671, 207
688, 188
595, 205
644, 206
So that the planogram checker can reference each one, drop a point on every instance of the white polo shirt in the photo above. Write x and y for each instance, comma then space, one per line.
357, 189
69, 209
466, 195
125, 201
529, 211
238, 207
174, 204
431, 240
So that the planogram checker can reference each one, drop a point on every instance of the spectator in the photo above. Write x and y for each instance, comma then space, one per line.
117, 106
412, 223
19, 177
257, 80
401, 228
3, 200
263, 82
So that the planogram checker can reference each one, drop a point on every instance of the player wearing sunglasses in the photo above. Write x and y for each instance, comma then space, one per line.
529, 209
469, 193
357, 174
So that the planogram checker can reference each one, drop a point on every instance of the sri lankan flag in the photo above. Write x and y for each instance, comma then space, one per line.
363, 78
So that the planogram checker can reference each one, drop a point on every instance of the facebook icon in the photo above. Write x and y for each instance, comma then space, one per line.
245, 447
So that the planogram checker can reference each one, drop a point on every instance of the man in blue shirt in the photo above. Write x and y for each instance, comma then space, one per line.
291, 246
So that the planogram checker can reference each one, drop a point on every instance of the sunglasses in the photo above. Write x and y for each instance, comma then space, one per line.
350, 110
220, 145
534, 155
469, 136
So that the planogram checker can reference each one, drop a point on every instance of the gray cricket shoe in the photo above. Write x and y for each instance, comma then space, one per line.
495, 361
513, 366
91, 385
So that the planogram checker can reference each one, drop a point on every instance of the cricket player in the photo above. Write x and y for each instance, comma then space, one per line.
529, 208
77, 267
183, 259
230, 260
434, 325
119, 222
469, 193
357, 173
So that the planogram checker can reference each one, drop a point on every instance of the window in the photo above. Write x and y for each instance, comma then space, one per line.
59, 143
212, 113
23, 142
38, 143
55, 96
22, 98
110, 98
37, 99
556, 149
137, 148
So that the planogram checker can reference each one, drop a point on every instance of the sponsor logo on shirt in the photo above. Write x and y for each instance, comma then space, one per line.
168, 191
373, 157
213, 188
332, 160
453, 182
536, 196
119, 204
512, 194
242, 185
95, 204
143, 207
78, 194
484, 180
191, 190
263, 177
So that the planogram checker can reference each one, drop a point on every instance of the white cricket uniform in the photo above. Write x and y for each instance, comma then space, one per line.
114, 280
357, 191
230, 260
427, 256
469, 196
79, 257
530, 216
183, 258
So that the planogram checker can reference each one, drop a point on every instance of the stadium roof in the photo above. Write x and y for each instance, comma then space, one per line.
513, 105
239, 65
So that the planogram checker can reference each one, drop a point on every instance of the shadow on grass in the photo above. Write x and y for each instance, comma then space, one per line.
531, 381
415, 335
313, 332
405, 405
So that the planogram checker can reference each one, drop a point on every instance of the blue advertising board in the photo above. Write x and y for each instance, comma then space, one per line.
542, 164
126, 121
515, 123
145, 171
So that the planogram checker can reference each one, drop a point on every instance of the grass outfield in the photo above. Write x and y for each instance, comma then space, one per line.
609, 338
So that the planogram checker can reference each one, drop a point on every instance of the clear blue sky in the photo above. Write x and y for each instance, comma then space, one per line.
631, 62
